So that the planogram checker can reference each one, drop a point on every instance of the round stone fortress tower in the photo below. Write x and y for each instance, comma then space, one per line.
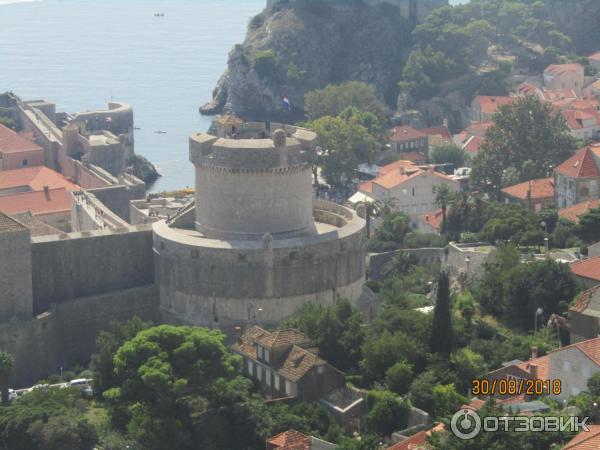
255, 246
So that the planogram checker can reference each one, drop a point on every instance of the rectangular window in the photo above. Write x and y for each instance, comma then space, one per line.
251, 368
25, 163
259, 371
259, 352
288, 387
268, 377
267, 356
413, 192
276, 381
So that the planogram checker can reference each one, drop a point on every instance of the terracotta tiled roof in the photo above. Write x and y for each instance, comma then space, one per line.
528, 89
580, 165
397, 177
417, 441
10, 225
256, 335
479, 128
591, 348
440, 130
560, 69
542, 363
540, 189
473, 144
298, 363
585, 440
475, 403
433, 219
36, 226
490, 104
36, 178
573, 212
583, 300
403, 134
38, 202
575, 119
12, 142
595, 56
289, 440
588, 268
554, 95
395, 165
367, 186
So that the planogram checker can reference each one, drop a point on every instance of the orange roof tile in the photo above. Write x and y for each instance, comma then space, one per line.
35, 178
527, 89
575, 119
440, 130
573, 212
540, 189
580, 165
394, 166
12, 142
585, 440
588, 268
397, 177
433, 219
366, 186
38, 202
583, 300
490, 104
543, 366
479, 128
290, 440
475, 403
402, 134
417, 441
560, 69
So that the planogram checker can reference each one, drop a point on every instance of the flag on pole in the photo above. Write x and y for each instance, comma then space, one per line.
287, 103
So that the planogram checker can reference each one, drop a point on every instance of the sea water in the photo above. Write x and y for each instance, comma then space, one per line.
80, 54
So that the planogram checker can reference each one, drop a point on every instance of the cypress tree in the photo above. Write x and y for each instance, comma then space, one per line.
441, 329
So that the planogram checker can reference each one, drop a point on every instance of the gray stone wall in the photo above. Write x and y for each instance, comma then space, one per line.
573, 368
15, 276
67, 334
117, 198
77, 265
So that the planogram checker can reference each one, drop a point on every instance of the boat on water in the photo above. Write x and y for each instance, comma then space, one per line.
159, 14
160, 132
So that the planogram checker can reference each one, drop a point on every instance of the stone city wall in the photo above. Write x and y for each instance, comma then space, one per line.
75, 265
15, 276
67, 334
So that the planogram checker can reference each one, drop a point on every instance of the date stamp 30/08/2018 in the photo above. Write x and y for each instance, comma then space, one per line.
514, 387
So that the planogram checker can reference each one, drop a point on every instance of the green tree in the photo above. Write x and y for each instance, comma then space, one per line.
594, 384
63, 433
334, 99
107, 343
388, 414
448, 154
337, 330
399, 376
589, 226
346, 141
6, 370
173, 378
443, 198
526, 130
390, 235
441, 329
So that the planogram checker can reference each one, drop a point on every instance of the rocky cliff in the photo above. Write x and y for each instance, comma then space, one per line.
296, 47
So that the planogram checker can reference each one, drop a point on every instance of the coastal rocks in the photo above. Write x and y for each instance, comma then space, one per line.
143, 169
293, 48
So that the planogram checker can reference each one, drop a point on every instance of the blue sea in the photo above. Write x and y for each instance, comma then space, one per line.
83, 53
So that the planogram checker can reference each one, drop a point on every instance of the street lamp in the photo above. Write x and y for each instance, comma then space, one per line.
547, 244
538, 312
468, 262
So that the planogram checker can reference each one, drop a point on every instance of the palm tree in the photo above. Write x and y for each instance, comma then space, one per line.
6, 369
375, 208
461, 201
443, 197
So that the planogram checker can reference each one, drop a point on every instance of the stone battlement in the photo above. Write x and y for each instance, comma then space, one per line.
256, 147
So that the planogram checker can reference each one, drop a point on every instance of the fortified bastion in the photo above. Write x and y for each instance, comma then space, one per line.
255, 245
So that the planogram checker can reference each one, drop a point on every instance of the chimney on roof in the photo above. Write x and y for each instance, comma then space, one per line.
533, 371
238, 333
47, 192
534, 352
